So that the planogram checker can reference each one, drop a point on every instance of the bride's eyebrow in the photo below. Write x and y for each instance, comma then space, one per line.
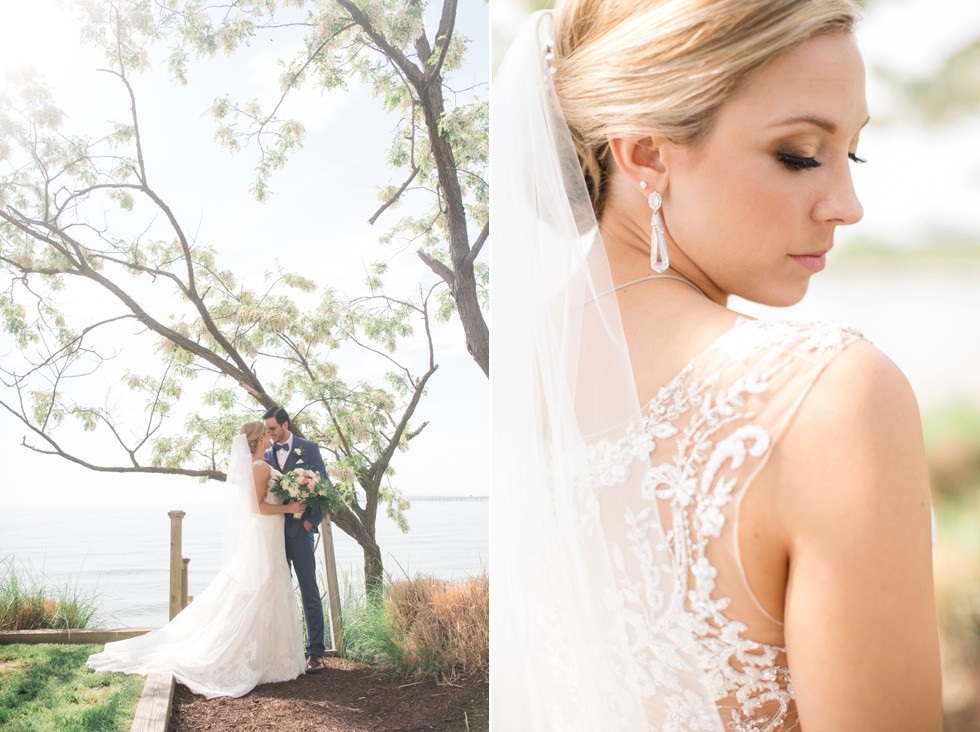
824, 124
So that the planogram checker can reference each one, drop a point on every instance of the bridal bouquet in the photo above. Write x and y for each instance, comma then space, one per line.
306, 486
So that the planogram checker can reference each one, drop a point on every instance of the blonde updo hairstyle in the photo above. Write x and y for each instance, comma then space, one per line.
630, 68
253, 432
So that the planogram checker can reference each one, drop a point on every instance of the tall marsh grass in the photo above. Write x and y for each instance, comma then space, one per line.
26, 604
422, 627
952, 437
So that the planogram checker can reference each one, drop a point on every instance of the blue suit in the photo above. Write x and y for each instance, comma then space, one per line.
299, 542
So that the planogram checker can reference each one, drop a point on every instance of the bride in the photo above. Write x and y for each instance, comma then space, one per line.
244, 628
712, 522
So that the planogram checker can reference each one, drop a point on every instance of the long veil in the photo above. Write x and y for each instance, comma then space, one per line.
561, 657
244, 559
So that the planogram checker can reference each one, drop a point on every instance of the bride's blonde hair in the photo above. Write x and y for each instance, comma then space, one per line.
626, 68
253, 432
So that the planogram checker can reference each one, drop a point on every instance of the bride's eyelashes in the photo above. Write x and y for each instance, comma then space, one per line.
794, 162
797, 162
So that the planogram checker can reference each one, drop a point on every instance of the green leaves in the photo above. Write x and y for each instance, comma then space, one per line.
409, 68
950, 92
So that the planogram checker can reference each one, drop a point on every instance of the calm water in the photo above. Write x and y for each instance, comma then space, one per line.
925, 319
123, 554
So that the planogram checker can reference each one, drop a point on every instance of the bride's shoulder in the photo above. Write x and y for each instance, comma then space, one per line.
264, 467
860, 381
858, 423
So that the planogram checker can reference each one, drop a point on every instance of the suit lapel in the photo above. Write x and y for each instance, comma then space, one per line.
291, 457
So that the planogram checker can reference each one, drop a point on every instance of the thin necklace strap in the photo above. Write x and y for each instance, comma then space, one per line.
661, 277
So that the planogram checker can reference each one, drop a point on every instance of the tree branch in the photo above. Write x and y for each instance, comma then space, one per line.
395, 197
58, 451
478, 245
411, 71
445, 33
439, 268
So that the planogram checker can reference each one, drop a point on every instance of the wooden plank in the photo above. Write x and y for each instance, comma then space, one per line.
176, 560
333, 586
153, 710
97, 635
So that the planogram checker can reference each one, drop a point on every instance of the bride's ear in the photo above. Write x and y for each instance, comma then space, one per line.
642, 159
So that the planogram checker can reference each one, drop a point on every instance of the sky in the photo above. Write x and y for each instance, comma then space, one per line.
315, 223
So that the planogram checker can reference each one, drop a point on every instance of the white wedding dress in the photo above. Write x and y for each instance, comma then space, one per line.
702, 441
242, 630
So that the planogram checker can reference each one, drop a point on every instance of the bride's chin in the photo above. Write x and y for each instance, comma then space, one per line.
777, 297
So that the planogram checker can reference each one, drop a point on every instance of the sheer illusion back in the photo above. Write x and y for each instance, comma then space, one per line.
667, 492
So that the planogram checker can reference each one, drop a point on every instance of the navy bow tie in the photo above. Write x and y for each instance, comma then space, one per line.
284, 446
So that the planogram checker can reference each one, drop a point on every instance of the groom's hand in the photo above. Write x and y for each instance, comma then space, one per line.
307, 525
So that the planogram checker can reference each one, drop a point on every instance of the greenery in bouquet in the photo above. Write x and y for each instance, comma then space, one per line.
309, 487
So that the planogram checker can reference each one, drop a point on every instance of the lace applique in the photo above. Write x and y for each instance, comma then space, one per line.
700, 436
748, 337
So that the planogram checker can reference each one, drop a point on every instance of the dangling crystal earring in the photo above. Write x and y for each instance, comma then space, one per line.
659, 260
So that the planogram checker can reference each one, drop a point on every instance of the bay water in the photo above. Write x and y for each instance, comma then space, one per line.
122, 555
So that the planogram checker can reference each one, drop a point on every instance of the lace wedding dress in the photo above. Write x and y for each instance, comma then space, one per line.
701, 442
241, 631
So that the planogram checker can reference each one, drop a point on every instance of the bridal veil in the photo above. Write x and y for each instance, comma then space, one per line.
560, 658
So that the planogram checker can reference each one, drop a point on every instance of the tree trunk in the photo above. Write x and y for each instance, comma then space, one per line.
464, 278
373, 570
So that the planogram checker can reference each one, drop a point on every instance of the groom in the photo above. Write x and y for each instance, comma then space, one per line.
289, 452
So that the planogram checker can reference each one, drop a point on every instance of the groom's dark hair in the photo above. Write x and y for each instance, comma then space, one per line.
279, 413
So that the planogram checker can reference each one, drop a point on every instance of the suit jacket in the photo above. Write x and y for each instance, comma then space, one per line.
305, 454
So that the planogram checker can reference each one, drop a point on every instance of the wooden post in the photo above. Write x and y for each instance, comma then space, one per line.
183, 583
333, 587
176, 561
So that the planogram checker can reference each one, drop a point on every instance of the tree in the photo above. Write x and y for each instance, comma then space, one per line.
82, 215
946, 94
441, 143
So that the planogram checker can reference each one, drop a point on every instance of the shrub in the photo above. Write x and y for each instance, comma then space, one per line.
423, 627
25, 604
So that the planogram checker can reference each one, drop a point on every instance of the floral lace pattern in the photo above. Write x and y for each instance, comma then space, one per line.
705, 435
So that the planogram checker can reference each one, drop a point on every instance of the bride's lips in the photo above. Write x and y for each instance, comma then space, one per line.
812, 262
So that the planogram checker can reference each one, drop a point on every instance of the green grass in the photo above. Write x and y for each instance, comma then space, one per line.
26, 604
48, 688
942, 249
370, 635
952, 438
957, 421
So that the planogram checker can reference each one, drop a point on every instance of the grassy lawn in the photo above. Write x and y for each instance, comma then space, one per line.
48, 688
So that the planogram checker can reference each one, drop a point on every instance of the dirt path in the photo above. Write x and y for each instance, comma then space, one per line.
347, 697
